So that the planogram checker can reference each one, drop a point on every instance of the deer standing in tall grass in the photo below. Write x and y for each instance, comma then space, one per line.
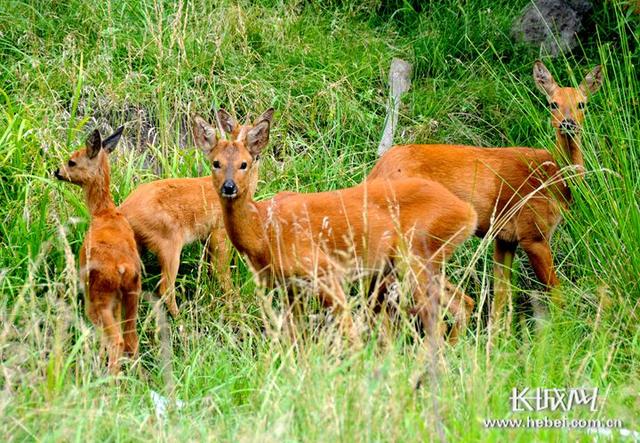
318, 239
518, 192
109, 261
168, 214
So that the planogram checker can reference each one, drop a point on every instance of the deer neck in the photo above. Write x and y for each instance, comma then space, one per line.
244, 225
97, 194
570, 148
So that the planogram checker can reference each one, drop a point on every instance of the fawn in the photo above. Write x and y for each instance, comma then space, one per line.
517, 192
318, 238
109, 261
168, 214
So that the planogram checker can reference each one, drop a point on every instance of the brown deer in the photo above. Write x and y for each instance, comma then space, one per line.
320, 238
517, 192
168, 214
109, 261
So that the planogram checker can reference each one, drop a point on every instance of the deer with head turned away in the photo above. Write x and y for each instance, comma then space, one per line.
168, 214
318, 238
109, 261
517, 192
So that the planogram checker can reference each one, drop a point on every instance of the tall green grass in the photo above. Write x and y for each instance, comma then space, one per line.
67, 67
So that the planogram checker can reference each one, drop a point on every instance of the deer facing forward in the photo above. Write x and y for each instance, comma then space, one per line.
319, 238
517, 192
168, 214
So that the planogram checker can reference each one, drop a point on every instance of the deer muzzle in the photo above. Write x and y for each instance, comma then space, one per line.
229, 189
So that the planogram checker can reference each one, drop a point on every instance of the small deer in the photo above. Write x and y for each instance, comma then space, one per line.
168, 214
109, 261
320, 238
517, 192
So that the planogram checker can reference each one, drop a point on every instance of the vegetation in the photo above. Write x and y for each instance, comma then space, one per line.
66, 67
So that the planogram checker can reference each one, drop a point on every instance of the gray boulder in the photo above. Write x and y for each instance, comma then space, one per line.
552, 25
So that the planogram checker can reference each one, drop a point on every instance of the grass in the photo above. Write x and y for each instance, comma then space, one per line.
67, 67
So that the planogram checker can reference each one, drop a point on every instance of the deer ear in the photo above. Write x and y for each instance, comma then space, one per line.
227, 121
592, 81
258, 137
266, 115
204, 135
543, 78
110, 143
93, 144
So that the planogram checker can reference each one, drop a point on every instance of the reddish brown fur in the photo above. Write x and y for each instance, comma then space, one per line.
503, 184
321, 237
109, 262
168, 214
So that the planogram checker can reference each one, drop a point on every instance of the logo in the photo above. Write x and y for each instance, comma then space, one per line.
543, 399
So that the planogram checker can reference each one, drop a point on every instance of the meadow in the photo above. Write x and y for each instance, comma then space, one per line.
68, 67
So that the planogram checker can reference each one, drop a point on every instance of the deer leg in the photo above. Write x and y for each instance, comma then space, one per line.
130, 301
169, 258
503, 260
541, 259
292, 311
428, 286
90, 310
94, 316
426, 294
383, 304
460, 305
113, 336
333, 297
220, 257
117, 311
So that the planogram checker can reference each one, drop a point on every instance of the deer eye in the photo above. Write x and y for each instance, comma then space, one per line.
71, 163
554, 106
243, 165
216, 164
581, 105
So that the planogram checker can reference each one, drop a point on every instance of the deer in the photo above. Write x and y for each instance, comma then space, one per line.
519, 193
110, 269
320, 239
166, 215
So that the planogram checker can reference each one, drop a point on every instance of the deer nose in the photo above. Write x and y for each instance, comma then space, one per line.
568, 125
229, 189
57, 175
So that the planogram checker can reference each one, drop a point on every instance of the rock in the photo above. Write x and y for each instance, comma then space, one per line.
552, 25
